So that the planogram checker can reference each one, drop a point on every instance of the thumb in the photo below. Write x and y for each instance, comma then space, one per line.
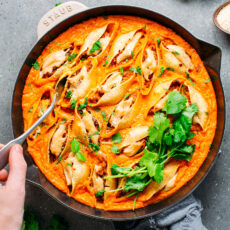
17, 174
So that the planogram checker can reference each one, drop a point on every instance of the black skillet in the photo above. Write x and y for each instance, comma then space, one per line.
211, 56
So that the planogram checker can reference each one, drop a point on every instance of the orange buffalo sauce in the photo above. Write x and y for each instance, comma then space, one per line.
117, 70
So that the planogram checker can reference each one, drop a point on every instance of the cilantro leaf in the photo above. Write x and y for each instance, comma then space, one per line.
36, 65
127, 95
122, 71
96, 46
100, 193
115, 149
83, 105
94, 147
155, 132
80, 156
117, 170
158, 41
175, 103
75, 146
69, 94
73, 103
104, 115
117, 138
162, 70
71, 56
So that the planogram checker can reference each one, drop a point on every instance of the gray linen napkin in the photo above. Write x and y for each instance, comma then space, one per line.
185, 215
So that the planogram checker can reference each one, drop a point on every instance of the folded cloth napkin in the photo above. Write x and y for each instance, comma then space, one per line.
185, 215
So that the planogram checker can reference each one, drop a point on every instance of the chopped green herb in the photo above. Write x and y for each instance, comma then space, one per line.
30, 86
208, 80
50, 49
135, 70
37, 134
80, 156
122, 71
31, 110
104, 116
188, 77
113, 113
57, 4
162, 70
69, 94
59, 159
176, 53
100, 193
145, 26
106, 61
73, 103
96, 109
96, 46
42, 110
127, 95
134, 202
105, 17
139, 70
127, 59
117, 138
207, 113
63, 121
158, 41
83, 105
71, 56
82, 58
93, 134
169, 68
69, 164
115, 149
36, 65
94, 147
132, 54
56, 43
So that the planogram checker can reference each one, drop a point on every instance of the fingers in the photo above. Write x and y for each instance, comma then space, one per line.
17, 174
3, 175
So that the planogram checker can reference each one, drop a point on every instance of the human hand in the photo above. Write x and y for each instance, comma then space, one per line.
12, 193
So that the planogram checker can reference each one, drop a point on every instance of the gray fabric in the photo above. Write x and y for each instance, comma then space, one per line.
186, 215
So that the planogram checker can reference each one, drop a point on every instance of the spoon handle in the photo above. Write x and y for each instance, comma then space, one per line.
4, 152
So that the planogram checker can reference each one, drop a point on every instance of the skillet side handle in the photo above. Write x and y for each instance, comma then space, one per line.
58, 14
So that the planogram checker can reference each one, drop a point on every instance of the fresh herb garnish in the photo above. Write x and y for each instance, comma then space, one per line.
127, 95
106, 61
93, 134
96, 46
122, 71
164, 142
188, 77
117, 138
73, 103
176, 53
31, 110
56, 43
145, 26
100, 193
59, 159
37, 134
69, 94
132, 54
94, 147
30, 86
36, 65
169, 68
162, 70
75, 148
57, 4
105, 17
83, 105
104, 116
71, 56
63, 121
135, 70
115, 149
158, 41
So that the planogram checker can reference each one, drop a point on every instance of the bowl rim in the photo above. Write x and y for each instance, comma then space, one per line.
215, 14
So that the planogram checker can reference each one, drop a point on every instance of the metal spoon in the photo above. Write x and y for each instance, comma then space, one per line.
4, 152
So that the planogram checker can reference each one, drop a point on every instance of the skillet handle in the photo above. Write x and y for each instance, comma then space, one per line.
58, 14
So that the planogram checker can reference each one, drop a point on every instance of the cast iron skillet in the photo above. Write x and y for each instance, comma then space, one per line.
211, 56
